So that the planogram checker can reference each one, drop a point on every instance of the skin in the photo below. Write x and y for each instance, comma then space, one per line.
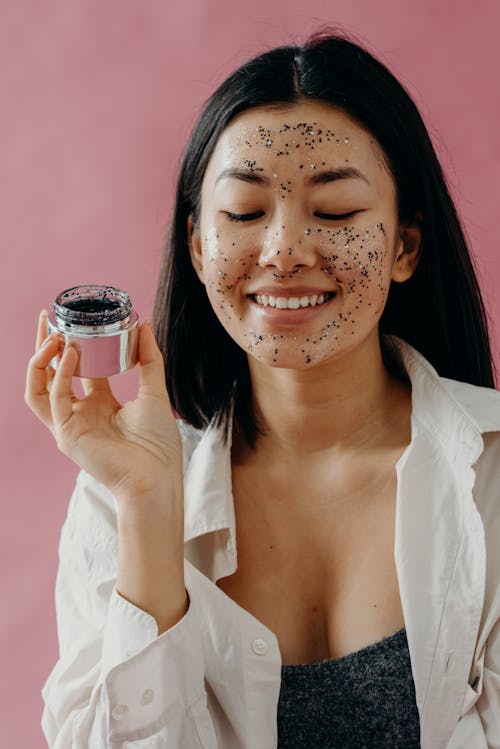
320, 387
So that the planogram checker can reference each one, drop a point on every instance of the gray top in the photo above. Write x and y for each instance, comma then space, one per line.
363, 700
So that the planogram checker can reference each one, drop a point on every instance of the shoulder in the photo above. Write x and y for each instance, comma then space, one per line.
478, 405
481, 405
486, 488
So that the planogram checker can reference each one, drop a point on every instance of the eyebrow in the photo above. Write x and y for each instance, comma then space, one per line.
319, 178
246, 175
332, 175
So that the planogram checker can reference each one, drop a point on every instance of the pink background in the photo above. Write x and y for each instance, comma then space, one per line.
97, 99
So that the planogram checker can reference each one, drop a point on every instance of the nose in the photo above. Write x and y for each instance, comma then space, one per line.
287, 248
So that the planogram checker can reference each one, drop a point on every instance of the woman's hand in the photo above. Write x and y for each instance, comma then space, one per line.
131, 449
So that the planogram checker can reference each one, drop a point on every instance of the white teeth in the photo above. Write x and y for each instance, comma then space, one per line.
292, 302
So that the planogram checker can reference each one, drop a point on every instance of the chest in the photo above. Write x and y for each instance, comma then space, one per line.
316, 565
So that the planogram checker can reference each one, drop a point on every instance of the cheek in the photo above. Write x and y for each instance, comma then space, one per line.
358, 259
229, 259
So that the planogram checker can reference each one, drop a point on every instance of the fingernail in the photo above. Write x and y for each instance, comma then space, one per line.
44, 313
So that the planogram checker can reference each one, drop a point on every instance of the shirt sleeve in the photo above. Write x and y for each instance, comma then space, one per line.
117, 683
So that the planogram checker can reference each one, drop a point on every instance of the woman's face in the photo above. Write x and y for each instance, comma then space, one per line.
298, 237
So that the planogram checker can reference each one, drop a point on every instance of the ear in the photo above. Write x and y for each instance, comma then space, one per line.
408, 250
194, 241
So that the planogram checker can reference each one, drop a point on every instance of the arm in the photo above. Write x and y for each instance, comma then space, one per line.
119, 677
150, 559
479, 725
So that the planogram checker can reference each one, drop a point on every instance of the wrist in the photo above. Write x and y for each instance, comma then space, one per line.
140, 499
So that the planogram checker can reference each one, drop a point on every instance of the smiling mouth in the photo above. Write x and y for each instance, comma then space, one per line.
292, 302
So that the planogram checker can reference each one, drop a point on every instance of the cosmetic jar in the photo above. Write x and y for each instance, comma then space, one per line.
103, 326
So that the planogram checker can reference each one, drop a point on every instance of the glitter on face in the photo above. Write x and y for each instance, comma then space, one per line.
349, 258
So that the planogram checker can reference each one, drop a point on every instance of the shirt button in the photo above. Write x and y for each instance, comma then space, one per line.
119, 711
259, 647
147, 696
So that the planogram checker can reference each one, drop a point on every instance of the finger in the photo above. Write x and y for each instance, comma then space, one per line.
42, 329
51, 371
42, 335
62, 397
36, 393
152, 368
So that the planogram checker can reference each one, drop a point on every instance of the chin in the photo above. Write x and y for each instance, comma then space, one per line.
284, 360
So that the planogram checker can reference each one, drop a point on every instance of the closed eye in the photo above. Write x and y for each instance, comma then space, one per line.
259, 214
335, 216
244, 216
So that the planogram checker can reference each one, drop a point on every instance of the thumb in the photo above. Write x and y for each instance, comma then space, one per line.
151, 364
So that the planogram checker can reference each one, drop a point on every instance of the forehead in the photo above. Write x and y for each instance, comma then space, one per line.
281, 136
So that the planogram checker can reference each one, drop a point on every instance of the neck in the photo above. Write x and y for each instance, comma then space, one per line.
349, 403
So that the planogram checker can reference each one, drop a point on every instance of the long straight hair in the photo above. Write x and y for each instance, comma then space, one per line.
439, 310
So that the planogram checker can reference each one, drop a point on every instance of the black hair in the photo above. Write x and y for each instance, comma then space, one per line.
439, 310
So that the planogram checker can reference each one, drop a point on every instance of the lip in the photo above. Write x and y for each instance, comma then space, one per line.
289, 317
289, 291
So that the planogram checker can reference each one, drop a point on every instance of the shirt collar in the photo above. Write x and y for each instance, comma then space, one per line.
209, 519
456, 414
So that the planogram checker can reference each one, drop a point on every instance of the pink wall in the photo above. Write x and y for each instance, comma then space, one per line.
97, 99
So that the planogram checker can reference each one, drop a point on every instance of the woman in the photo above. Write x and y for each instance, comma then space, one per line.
298, 559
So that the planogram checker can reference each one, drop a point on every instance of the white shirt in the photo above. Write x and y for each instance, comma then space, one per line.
213, 680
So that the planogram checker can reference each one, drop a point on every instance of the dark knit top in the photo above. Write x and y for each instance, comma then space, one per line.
363, 700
